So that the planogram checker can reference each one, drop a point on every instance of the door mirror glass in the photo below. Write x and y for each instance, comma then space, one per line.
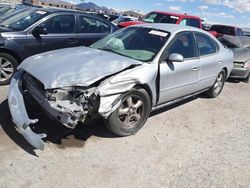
39, 30
174, 57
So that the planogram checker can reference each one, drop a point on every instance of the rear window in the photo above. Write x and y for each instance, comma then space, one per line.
227, 30
160, 18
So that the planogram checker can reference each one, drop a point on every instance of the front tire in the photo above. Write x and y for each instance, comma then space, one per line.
131, 115
218, 85
8, 66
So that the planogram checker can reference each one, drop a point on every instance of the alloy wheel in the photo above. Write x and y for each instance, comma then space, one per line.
130, 111
219, 83
6, 69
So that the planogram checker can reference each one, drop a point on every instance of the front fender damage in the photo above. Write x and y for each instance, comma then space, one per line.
112, 89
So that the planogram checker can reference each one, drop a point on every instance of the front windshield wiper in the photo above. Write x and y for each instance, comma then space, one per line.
109, 50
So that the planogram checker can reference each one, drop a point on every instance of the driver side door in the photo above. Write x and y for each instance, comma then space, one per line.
178, 79
61, 33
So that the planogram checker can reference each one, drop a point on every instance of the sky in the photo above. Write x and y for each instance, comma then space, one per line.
231, 12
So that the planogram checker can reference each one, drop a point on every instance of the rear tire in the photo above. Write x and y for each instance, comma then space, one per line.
131, 115
218, 85
8, 66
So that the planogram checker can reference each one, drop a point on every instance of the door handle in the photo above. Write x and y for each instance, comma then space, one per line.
72, 41
195, 68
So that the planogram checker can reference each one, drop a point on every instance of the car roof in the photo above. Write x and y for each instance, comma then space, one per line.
172, 28
176, 14
55, 10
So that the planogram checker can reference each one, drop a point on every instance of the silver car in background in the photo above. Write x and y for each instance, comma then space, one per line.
241, 48
120, 78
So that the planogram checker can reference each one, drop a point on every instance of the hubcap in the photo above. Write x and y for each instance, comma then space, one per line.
6, 69
130, 111
218, 84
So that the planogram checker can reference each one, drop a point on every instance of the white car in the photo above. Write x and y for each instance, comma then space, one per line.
120, 78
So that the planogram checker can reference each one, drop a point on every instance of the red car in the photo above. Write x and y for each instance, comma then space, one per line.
166, 17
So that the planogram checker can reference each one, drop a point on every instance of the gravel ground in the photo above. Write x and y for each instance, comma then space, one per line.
197, 143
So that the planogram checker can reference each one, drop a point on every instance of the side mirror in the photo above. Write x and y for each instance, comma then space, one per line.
39, 30
175, 57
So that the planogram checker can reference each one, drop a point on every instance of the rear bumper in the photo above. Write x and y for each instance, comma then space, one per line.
19, 113
240, 73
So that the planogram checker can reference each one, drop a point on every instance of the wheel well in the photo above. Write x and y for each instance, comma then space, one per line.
148, 90
11, 53
226, 71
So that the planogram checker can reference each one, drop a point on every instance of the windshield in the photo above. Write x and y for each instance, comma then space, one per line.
4, 10
135, 42
121, 19
160, 18
227, 44
11, 13
23, 20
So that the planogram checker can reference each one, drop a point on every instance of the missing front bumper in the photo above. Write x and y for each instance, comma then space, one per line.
19, 113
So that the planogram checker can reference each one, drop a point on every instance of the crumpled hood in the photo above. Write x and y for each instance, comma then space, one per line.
80, 66
241, 54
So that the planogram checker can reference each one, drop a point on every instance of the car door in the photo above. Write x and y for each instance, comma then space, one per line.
61, 33
209, 60
178, 79
91, 29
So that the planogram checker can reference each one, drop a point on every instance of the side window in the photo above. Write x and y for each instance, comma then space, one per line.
60, 24
239, 32
183, 44
92, 25
206, 45
194, 23
190, 22
183, 22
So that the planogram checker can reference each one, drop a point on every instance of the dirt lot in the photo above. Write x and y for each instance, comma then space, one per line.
199, 143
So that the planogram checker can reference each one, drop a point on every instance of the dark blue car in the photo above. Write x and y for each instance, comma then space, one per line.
38, 30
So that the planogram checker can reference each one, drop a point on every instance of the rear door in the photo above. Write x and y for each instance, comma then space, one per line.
61, 30
178, 79
209, 60
91, 29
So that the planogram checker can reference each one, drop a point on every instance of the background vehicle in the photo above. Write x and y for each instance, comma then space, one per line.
166, 17
120, 78
123, 19
39, 30
226, 30
108, 17
241, 49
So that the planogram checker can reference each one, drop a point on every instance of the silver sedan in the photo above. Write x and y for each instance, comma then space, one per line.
120, 78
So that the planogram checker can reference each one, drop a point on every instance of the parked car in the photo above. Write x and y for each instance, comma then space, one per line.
166, 17
108, 16
120, 78
39, 30
226, 30
124, 19
241, 49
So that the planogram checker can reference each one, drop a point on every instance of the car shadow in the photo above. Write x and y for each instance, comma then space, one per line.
56, 133
234, 81
59, 134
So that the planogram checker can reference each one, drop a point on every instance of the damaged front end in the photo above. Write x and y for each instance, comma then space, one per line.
68, 105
